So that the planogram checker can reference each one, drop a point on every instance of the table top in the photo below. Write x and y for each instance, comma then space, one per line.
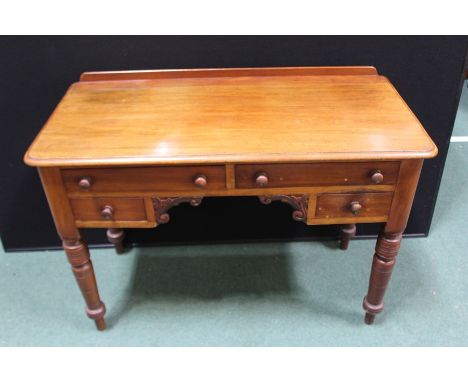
231, 115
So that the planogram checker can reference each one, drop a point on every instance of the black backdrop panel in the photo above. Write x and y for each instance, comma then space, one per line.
36, 71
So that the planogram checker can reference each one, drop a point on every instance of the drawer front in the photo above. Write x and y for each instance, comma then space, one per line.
108, 209
145, 179
316, 174
368, 204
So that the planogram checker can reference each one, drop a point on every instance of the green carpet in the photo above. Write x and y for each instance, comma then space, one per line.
287, 294
461, 122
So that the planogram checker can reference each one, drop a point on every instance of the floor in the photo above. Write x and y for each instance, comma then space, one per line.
288, 294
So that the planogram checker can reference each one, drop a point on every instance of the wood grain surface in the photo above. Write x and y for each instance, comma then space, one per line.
238, 118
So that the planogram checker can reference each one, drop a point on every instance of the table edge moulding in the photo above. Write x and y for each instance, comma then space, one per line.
336, 144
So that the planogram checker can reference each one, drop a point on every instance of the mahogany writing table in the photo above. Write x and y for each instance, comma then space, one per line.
338, 144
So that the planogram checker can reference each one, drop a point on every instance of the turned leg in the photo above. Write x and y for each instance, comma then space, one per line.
383, 262
78, 256
116, 236
347, 231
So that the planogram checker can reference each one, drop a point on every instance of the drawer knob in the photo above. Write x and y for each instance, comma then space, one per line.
107, 212
355, 207
200, 181
261, 179
85, 183
377, 176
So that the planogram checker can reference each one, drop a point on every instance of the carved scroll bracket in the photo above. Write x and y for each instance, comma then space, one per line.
162, 206
298, 202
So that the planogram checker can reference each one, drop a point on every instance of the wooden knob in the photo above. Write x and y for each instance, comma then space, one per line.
200, 181
85, 183
377, 177
107, 212
355, 207
261, 179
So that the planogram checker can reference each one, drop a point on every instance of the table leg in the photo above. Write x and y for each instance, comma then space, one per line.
383, 262
116, 236
82, 267
347, 231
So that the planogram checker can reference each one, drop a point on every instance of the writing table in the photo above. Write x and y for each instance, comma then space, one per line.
338, 144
